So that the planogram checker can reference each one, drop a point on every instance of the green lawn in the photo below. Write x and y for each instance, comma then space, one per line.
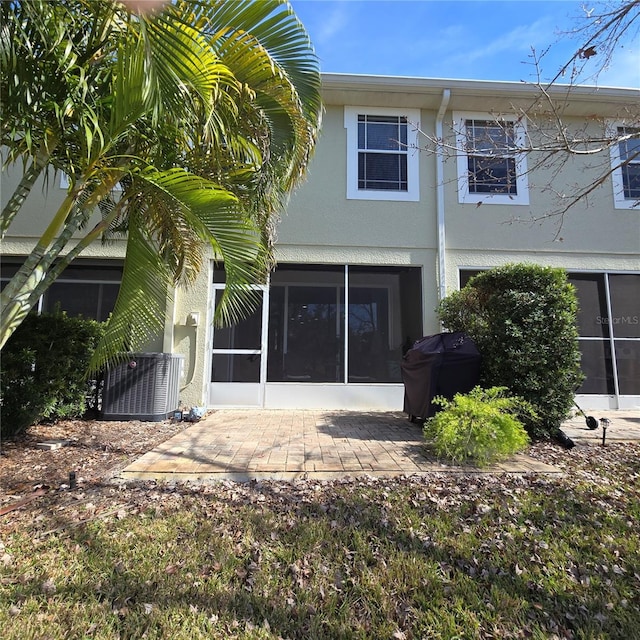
443, 556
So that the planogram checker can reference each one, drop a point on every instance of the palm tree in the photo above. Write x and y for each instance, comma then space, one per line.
204, 114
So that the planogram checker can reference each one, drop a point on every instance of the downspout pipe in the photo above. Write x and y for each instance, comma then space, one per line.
442, 248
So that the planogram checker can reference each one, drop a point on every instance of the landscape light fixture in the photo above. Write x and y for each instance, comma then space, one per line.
604, 423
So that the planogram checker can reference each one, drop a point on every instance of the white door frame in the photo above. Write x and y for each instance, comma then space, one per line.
239, 394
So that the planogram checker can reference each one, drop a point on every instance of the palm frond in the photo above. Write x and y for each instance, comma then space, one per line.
208, 109
185, 205
171, 201
275, 25
139, 313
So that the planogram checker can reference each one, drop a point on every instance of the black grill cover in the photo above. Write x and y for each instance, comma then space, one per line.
439, 365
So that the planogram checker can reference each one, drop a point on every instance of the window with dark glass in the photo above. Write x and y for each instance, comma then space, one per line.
630, 162
245, 334
87, 289
628, 362
625, 305
382, 153
593, 319
466, 275
600, 332
625, 324
243, 337
609, 343
308, 338
491, 159
597, 366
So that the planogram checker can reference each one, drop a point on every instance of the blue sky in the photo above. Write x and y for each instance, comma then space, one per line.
454, 38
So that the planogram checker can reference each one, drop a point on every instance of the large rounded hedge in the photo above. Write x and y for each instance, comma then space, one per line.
523, 320
43, 370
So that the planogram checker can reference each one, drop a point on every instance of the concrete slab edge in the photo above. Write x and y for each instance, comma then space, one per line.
295, 476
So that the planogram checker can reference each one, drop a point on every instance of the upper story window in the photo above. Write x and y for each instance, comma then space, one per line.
490, 166
382, 154
625, 158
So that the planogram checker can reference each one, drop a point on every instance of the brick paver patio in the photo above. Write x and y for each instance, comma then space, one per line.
248, 444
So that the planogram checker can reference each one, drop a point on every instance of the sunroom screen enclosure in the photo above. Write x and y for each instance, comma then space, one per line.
320, 327
608, 336
609, 328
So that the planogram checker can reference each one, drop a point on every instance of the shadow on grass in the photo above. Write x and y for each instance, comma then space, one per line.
430, 557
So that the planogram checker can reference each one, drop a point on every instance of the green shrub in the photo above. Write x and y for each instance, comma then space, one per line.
43, 370
481, 426
522, 318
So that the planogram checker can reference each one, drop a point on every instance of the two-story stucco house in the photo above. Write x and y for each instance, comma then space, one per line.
381, 231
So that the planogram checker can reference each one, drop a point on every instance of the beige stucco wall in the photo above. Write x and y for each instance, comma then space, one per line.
592, 225
319, 214
36, 213
192, 340
321, 226
38, 209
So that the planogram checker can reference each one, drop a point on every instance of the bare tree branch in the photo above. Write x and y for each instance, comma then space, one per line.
550, 137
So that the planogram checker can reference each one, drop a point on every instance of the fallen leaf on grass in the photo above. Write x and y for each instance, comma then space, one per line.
48, 587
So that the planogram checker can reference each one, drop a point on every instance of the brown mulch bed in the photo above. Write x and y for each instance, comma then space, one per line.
95, 450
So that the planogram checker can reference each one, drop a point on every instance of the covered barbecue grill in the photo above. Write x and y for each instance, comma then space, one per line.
439, 365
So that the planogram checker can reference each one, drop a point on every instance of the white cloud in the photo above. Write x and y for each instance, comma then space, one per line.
520, 39
335, 19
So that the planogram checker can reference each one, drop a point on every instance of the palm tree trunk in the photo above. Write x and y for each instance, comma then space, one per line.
16, 299
42, 275
62, 263
18, 306
38, 273
39, 251
23, 189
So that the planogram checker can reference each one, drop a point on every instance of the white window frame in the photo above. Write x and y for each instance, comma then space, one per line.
521, 197
619, 200
412, 194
